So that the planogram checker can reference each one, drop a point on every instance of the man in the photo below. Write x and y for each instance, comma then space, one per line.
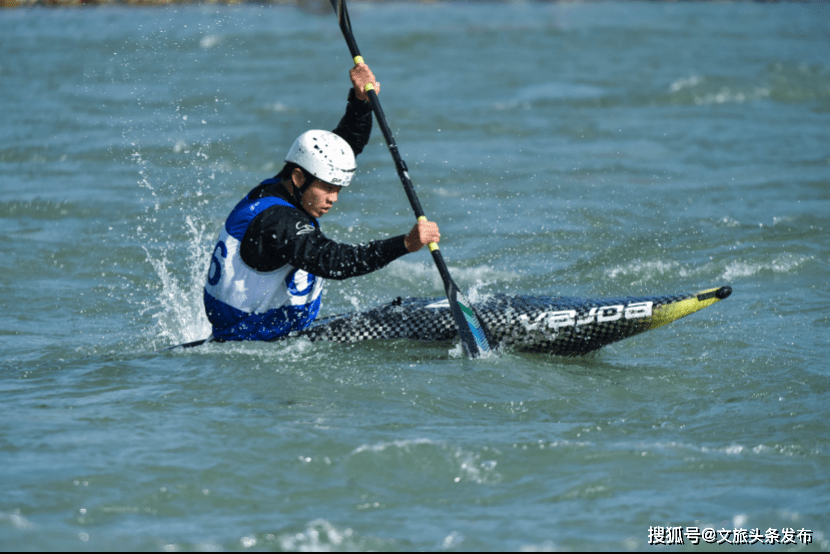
267, 270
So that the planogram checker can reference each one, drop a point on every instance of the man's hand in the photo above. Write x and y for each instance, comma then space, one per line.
361, 75
422, 234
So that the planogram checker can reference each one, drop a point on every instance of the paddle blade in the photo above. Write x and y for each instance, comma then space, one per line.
474, 335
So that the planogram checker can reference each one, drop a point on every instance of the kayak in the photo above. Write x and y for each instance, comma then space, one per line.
561, 326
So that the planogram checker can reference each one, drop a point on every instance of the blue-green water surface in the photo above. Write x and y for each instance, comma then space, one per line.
581, 149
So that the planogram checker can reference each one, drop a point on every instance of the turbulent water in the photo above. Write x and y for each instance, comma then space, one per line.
600, 149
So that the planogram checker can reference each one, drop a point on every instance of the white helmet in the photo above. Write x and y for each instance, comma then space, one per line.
325, 155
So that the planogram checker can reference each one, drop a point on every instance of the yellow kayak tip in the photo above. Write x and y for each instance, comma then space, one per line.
667, 313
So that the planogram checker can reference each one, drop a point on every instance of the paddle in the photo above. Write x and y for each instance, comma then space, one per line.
473, 334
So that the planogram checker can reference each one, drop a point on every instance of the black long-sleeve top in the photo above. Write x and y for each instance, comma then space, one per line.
282, 235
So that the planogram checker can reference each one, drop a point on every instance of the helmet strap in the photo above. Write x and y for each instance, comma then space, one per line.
300, 191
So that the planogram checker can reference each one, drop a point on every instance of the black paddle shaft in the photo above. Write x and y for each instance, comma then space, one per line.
400, 165
474, 335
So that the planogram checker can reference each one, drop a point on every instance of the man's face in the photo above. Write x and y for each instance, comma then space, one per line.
319, 198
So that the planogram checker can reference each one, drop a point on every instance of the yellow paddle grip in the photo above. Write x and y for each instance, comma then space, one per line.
357, 61
433, 246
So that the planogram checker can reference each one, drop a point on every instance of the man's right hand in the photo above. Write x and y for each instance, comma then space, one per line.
423, 233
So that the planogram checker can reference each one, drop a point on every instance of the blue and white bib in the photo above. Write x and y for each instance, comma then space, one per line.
245, 304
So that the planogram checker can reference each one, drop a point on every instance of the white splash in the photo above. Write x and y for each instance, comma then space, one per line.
689, 82
460, 464
381, 446
639, 272
209, 41
178, 307
425, 275
783, 263
319, 536
17, 521
727, 96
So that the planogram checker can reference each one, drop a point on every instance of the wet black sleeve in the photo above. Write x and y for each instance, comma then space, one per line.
281, 235
355, 126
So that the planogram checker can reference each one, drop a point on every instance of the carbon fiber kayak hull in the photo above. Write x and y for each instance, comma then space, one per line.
562, 326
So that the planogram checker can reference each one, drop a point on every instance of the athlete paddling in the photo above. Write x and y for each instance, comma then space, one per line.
267, 270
